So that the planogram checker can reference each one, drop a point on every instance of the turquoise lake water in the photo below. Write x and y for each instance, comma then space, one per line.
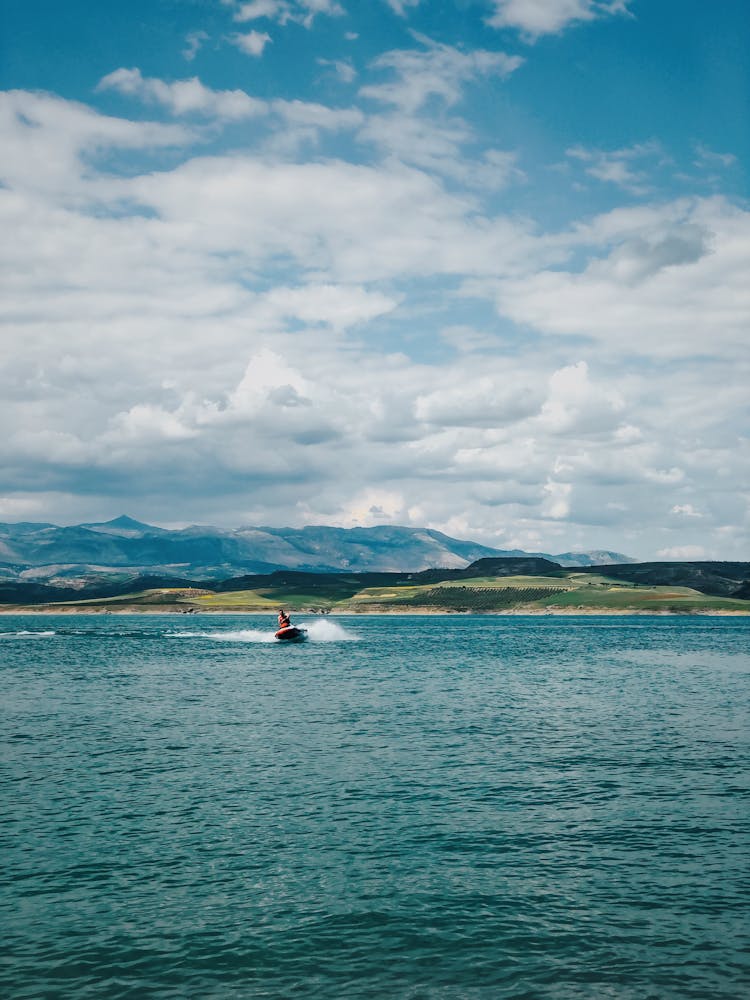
448, 807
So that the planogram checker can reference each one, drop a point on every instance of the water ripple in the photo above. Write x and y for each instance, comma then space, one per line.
444, 808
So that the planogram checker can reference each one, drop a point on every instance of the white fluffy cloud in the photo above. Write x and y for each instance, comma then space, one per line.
575, 404
437, 147
252, 43
627, 168
665, 281
480, 401
293, 121
236, 328
49, 143
316, 215
342, 68
274, 9
183, 97
282, 11
436, 70
193, 43
436, 143
544, 17
679, 553
400, 7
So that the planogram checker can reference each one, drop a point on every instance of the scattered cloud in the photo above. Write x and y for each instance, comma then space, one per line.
545, 17
193, 43
574, 404
337, 306
556, 502
400, 6
490, 402
373, 506
685, 510
282, 11
706, 158
435, 70
276, 10
349, 314
304, 115
679, 553
329, 7
252, 43
663, 281
20, 508
441, 148
184, 97
51, 145
146, 422
342, 68
364, 223
292, 122
619, 166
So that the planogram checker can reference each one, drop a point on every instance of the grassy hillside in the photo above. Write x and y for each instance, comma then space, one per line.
564, 592
722, 579
552, 590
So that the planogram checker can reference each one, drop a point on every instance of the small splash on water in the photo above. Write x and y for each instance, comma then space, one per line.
27, 634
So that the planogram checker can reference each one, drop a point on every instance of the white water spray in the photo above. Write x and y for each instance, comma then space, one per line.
320, 630
324, 630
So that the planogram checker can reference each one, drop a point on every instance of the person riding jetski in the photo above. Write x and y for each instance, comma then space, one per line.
287, 631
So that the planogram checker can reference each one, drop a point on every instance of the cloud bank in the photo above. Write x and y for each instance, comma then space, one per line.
265, 309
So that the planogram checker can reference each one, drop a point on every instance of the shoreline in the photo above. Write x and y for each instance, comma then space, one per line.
420, 612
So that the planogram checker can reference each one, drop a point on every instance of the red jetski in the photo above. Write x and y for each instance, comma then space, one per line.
290, 633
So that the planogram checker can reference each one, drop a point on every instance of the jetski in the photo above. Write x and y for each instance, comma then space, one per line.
291, 634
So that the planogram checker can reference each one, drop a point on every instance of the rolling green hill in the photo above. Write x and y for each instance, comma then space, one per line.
488, 585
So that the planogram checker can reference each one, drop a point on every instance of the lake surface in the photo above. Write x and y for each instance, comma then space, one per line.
449, 807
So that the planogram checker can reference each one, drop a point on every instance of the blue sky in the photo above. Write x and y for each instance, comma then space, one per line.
477, 265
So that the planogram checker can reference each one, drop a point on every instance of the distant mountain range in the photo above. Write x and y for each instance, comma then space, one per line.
124, 548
